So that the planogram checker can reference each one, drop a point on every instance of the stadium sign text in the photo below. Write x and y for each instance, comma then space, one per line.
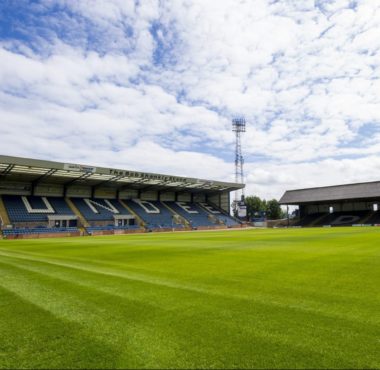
150, 176
79, 168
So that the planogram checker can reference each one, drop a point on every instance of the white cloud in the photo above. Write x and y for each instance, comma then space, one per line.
99, 85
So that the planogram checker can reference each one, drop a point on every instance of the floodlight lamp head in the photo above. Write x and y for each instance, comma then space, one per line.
238, 124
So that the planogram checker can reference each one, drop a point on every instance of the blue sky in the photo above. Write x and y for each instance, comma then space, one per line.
152, 85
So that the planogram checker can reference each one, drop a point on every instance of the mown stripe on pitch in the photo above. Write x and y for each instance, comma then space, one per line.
264, 305
120, 322
261, 341
310, 306
32, 337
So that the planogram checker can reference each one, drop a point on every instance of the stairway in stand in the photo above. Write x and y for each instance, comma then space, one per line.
319, 219
137, 217
183, 221
365, 219
224, 212
212, 217
3, 213
72, 206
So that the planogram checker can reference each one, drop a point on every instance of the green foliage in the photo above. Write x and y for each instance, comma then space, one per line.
221, 299
274, 210
257, 206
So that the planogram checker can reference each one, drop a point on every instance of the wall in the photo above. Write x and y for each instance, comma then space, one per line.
225, 202
214, 199
149, 195
167, 196
339, 207
184, 197
105, 193
53, 190
128, 194
201, 198
79, 191
15, 188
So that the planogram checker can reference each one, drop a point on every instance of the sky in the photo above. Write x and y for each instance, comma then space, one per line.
152, 85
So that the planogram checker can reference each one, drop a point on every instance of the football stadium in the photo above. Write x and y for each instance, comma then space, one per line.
134, 233
182, 284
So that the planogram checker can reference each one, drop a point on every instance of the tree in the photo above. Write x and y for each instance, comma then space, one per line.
255, 206
274, 211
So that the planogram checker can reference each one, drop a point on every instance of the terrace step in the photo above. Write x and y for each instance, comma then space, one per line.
138, 218
3, 213
72, 206
319, 219
183, 221
365, 219
83, 231
212, 217
224, 212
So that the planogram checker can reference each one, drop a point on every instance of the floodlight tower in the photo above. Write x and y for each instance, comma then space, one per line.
238, 126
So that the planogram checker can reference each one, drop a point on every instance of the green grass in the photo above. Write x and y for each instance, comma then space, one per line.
236, 299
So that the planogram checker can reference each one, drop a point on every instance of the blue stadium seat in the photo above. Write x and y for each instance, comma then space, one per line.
346, 218
222, 217
38, 210
39, 230
309, 219
343, 218
99, 209
92, 229
194, 214
155, 214
374, 219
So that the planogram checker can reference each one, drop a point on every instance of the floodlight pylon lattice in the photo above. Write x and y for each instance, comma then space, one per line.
238, 126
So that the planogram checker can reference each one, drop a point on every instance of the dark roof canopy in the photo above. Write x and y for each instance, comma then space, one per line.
39, 171
361, 191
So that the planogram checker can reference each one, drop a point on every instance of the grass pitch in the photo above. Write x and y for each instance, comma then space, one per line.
235, 299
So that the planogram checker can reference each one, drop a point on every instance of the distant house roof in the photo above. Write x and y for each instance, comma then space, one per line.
367, 190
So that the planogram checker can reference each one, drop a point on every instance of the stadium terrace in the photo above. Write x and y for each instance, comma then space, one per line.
44, 198
340, 205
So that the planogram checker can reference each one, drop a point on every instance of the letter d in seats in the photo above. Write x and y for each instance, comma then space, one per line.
147, 206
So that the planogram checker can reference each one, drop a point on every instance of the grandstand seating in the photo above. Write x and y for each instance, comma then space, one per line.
347, 218
33, 215
342, 218
99, 209
92, 229
34, 209
193, 213
154, 214
227, 220
309, 220
39, 230
223, 217
374, 218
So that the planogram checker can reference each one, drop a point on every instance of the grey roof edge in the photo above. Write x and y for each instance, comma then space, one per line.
22, 161
289, 193
283, 200
335, 186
